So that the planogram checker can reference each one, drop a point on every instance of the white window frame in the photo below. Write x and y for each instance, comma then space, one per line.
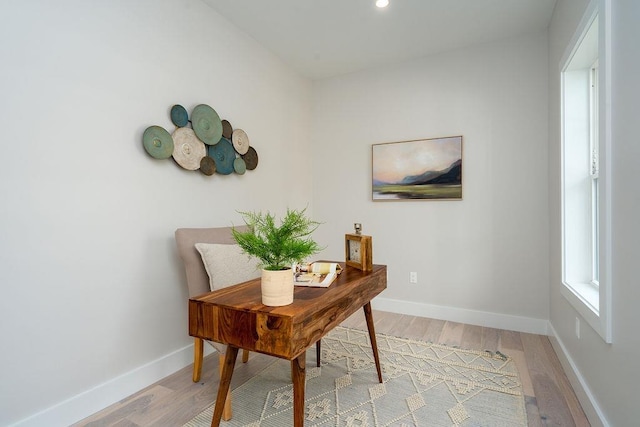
586, 246
594, 122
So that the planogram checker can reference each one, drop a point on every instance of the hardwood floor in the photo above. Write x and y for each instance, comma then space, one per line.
550, 400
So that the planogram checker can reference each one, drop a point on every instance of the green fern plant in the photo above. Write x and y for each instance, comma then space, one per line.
277, 246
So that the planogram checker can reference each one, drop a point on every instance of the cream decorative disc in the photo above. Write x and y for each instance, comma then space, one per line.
240, 141
188, 150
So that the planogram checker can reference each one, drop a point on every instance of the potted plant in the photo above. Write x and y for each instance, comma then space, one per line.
278, 247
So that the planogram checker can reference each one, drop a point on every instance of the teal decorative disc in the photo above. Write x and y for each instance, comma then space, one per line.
179, 116
158, 142
224, 155
239, 166
207, 124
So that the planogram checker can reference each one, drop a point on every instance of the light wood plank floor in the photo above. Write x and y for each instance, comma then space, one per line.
549, 398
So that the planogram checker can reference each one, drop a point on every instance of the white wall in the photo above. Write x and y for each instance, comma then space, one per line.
483, 259
91, 283
605, 376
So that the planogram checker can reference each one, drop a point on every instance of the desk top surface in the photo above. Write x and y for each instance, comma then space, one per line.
247, 296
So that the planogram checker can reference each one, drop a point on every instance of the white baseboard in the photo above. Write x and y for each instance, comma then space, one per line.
585, 396
473, 317
103, 395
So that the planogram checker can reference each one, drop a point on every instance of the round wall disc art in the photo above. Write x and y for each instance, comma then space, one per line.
207, 166
188, 150
201, 141
158, 143
224, 155
239, 166
227, 129
251, 159
240, 141
206, 124
179, 116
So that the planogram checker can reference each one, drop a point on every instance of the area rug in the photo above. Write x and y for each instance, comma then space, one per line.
425, 384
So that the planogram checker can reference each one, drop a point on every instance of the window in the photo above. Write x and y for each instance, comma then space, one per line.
585, 204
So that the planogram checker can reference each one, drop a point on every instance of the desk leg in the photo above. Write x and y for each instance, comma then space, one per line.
298, 366
372, 336
225, 382
198, 353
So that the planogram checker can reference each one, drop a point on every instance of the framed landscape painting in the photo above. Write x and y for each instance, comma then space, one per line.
424, 169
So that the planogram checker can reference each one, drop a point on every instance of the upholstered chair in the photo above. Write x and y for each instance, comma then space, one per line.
199, 281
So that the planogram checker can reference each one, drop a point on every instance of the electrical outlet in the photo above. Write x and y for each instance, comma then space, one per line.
413, 277
577, 328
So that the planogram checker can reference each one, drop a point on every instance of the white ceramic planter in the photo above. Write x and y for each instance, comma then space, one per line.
277, 287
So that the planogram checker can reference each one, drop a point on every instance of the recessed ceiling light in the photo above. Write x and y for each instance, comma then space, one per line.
382, 3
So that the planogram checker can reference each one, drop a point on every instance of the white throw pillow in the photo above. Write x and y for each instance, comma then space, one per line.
227, 264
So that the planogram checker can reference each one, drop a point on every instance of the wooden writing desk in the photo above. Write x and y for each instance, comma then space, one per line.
235, 316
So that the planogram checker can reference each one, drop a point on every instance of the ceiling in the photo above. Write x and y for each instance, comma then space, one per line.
325, 38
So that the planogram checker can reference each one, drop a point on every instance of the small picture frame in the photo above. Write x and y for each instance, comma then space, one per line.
358, 251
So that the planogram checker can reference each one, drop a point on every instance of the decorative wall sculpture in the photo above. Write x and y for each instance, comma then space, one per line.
210, 145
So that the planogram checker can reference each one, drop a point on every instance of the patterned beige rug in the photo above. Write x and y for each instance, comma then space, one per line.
424, 385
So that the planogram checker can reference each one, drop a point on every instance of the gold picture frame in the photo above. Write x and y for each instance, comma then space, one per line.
358, 251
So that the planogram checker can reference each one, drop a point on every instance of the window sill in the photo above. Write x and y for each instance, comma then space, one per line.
585, 299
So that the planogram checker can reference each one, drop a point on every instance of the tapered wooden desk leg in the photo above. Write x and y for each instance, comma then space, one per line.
245, 356
318, 351
225, 382
227, 412
372, 336
198, 350
298, 366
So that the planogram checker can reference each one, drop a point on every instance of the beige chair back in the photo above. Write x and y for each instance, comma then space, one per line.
186, 238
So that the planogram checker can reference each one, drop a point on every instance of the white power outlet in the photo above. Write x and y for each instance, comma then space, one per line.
577, 327
413, 277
